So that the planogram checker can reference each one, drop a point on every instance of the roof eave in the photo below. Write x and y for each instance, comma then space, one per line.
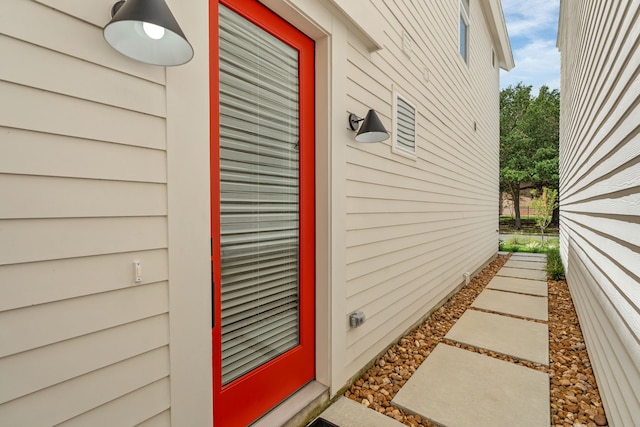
498, 28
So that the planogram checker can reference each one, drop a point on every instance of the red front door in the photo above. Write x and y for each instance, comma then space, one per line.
262, 209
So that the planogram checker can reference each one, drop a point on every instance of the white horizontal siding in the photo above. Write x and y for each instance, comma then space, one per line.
23, 65
45, 324
599, 190
48, 112
58, 403
30, 153
48, 365
163, 419
32, 240
615, 280
74, 34
83, 173
601, 325
22, 283
414, 226
441, 179
131, 409
47, 197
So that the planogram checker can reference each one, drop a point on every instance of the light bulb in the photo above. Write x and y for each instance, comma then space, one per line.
154, 31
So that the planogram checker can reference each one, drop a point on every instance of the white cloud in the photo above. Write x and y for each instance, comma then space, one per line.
537, 64
530, 18
532, 27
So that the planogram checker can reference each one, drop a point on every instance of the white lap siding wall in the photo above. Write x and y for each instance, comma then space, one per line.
414, 226
599, 196
83, 172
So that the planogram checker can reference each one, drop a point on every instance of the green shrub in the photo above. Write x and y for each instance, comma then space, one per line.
555, 269
533, 244
515, 240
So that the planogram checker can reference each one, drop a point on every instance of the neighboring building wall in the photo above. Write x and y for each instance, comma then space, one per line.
415, 224
599, 196
507, 208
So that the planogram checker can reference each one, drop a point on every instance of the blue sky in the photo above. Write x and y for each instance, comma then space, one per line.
533, 28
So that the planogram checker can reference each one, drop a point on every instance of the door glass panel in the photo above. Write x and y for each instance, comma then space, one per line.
259, 186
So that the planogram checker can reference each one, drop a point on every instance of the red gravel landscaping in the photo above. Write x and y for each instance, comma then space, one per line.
575, 400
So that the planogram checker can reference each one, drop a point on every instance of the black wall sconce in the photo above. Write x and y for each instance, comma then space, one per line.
145, 30
372, 129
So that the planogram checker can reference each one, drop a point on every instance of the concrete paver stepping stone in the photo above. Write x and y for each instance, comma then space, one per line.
523, 286
531, 254
459, 388
523, 339
528, 259
522, 273
345, 412
519, 305
524, 256
531, 265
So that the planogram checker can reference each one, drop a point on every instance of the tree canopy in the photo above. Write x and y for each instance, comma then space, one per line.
529, 135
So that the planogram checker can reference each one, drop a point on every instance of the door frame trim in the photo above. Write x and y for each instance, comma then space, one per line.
283, 30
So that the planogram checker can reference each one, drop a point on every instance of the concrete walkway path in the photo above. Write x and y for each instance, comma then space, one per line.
455, 387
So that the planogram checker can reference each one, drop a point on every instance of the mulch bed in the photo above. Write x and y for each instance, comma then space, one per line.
575, 400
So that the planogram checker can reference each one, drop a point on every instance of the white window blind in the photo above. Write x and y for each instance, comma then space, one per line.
404, 125
258, 195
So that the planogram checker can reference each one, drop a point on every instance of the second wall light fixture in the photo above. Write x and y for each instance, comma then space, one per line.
145, 30
371, 130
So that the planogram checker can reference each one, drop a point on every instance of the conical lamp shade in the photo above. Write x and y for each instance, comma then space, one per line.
161, 43
372, 129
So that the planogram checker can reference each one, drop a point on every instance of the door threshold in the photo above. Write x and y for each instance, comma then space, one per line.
295, 410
